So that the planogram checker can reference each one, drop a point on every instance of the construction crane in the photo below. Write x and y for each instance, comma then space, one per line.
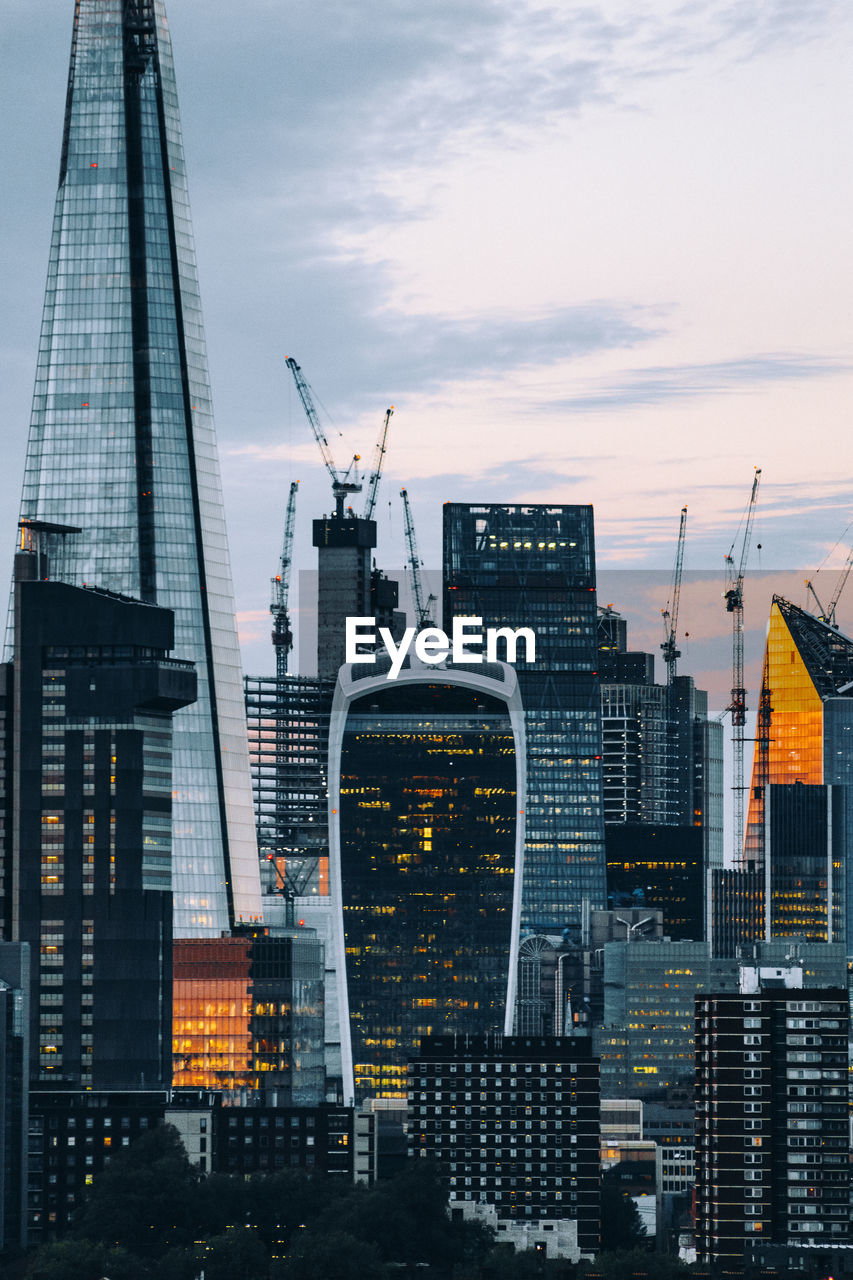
423, 610
292, 878
828, 615
671, 652
733, 596
282, 634
373, 482
341, 484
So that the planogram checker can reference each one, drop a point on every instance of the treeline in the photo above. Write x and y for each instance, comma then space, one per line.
150, 1216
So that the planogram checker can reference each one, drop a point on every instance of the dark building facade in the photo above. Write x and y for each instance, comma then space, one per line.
87, 863
662, 867
73, 1135
426, 789
772, 1158
14, 1093
805, 842
663, 768
534, 566
513, 1123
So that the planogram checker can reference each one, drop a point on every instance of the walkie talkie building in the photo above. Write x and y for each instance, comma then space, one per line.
121, 439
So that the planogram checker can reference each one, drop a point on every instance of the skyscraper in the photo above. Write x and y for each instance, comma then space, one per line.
426, 796
121, 439
534, 566
805, 735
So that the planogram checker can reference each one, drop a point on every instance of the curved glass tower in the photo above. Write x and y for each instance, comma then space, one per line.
122, 442
426, 844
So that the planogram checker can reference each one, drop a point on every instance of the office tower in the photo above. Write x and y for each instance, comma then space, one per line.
662, 757
737, 909
248, 1016
804, 861
805, 715
661, 867
88, 752
14, 1093
646, 1041
772, 1160
513, 1124
121, 440
534, 566
426, 796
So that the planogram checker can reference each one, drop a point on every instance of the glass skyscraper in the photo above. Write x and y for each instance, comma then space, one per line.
534, 566
805, 735
121, 442
426, 800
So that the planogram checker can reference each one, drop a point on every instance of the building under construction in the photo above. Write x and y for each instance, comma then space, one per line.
288, 715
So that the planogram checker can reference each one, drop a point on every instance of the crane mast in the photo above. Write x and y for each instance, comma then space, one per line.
733, 597
376, 472
282, 633
341, 484
671, 652
839, 587
423, 609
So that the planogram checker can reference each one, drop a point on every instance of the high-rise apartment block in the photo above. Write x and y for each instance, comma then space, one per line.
534, 566
121, 442
772, 1158
426, 795
513, 1124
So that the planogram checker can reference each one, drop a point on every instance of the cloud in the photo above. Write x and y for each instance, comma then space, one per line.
656, 384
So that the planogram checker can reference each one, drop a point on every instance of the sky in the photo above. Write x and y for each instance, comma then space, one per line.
593, 253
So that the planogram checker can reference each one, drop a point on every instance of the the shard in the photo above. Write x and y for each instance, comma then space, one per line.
122, 441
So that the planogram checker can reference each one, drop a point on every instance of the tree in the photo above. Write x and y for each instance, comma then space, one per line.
621, 1225
236, 1253
332, 1253
82, 1260
144, 1201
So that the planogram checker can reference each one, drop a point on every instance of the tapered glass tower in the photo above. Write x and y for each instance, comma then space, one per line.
121, 439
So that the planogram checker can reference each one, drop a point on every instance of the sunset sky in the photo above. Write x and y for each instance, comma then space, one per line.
591, 253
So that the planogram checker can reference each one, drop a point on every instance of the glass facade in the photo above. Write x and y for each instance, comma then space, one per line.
425, 854
121, 439
805, 733
804, 834
646, 1043
534, 566
248, 1015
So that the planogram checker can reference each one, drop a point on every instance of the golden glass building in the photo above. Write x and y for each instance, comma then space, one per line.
804, 735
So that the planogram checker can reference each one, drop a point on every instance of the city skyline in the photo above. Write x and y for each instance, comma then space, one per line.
626, 232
